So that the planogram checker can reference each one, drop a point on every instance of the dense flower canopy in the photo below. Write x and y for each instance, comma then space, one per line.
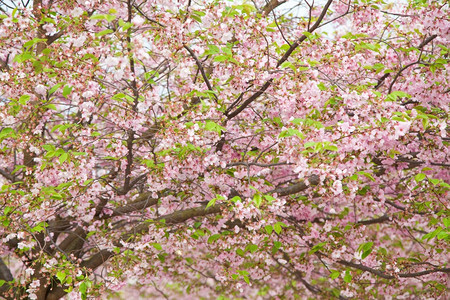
224, 149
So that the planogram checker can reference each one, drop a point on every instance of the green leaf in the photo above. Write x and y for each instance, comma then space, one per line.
235, 199
66, 91
7, 132
443, 235
24, 99
331, 147
34, 41
268, 229
221, 58
291, 132
104, 32
39, 227
98, 17
63, 157
257, 198
227, 51
276, 245
240, 252
61, 276
347, 277
110, 18
38, 68
397, 94
55, 88
367, 246
211, 202
51, 106
252, 248
157, 246
212, 126
322, 86
366, 249
83, 288
48, 147
307, 34
277, 228
125, 25
366, 175
446, 222
432, 234
213, 49
288, 64
213, 238
419, 177
246, 279
317, 247
309, 144
334, 274
366, 253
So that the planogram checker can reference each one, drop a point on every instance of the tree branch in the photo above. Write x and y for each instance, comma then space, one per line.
248, 164
427, 41
5, 274
303, 37
175, 218
296, 188
375, 221
387, 276
202, 70
270, 6
142, 202
266, 85
400, 72
7, 175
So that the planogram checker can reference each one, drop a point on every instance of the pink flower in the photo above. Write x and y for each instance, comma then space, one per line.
49, 28
138, 20
79, 41
401, 129
337, 187
41, 90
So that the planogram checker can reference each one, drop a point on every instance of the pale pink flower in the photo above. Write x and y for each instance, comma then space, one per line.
41, 89
79, 41
35, 283
29, 271
401, 129
337, 187
4, 76
138, 20
111, 61
49, 28
77, 11
32, 296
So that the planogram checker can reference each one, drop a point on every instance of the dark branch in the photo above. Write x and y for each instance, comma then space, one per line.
5, 274
248, 164
303, 37
296, 188
427, 41
271, 5
283, 59
387, 276
7, 175
142, 202
202, 70
375, 221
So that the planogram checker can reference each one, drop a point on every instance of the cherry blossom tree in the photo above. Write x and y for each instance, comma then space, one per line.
223, 149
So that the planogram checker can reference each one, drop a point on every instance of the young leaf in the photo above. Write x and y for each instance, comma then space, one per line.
213, 238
